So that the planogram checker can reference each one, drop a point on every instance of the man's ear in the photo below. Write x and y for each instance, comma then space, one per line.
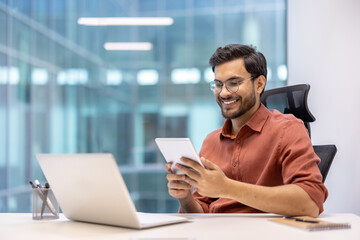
260, 83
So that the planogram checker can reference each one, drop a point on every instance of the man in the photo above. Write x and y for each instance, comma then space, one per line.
260, 160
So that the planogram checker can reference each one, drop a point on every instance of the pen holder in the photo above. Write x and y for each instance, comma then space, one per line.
45, 205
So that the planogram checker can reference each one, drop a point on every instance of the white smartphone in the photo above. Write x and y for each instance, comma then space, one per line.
174, 148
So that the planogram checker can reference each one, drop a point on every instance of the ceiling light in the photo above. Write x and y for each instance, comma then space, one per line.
134, 21
185, 76
132, 46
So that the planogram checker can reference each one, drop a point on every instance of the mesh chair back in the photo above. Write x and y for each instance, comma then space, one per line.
326, 153
290, 99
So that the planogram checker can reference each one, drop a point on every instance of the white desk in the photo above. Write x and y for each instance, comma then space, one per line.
202, 227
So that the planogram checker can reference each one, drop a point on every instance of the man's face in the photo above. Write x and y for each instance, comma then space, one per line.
235, 104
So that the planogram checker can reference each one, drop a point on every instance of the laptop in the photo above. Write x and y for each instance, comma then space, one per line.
90, 188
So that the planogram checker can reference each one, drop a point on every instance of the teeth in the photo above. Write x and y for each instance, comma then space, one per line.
230, 102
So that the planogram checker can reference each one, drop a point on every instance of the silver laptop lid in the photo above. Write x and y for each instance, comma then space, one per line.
89, 187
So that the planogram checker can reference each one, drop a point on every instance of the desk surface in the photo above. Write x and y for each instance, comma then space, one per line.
201, 227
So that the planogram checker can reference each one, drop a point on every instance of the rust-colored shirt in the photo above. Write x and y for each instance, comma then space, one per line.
271, 149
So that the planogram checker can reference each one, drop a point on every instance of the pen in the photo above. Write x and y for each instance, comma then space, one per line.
32, 185
301, 219
40, 193
37, 183
45, 196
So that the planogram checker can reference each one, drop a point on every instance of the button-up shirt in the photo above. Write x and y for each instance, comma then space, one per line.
271, 149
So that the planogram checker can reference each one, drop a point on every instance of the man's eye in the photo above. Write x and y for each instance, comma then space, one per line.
233, 83
218, 84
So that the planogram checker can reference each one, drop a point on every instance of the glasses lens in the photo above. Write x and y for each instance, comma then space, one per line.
212, 86
232, 86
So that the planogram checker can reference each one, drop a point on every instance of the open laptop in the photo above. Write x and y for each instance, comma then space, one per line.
90, 188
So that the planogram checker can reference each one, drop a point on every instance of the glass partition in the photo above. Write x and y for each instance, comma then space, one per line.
62, 92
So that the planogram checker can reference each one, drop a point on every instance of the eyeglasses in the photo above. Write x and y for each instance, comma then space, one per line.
231, 85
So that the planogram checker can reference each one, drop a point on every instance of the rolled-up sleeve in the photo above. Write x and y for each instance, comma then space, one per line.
300, 163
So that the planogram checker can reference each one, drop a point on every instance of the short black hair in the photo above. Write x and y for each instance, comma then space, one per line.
255, 62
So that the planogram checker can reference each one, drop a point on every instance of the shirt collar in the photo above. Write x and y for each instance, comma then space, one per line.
256, 122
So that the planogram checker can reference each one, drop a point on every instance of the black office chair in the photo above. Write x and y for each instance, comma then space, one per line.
326, 153
293, 99
290, 99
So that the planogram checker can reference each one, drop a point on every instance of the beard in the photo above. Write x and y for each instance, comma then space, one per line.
246, 104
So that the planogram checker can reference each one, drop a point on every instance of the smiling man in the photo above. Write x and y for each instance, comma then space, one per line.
260, 160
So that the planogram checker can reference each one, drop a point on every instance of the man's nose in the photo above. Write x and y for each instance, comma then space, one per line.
224, 92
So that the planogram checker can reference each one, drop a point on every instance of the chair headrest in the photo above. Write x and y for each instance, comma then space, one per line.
289, 99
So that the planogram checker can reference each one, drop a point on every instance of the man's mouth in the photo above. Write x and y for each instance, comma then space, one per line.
229, 102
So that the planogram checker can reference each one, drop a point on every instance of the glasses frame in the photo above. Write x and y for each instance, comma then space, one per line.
213, 87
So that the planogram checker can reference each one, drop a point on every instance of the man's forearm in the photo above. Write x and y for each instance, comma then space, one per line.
285, 200
190, 205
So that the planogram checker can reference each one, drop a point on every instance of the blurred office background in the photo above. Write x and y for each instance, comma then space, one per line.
61, 91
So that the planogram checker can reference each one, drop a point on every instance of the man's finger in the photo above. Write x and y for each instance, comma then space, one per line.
191, 181
188, 171
208, 164
175, 177
179, 185
193, 164
168, 167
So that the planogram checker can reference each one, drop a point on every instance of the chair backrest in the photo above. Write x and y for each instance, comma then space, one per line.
293, 99
326, 153
290, 99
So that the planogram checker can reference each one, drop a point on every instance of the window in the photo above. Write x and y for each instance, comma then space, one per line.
62, 92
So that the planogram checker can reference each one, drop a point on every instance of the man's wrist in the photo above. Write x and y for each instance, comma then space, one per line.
190, 205
226, 190
187, 201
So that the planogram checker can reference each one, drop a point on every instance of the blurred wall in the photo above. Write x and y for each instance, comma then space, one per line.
324, 51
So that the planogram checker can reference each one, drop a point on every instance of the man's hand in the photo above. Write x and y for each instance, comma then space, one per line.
209, 181
181, 190
176, 186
